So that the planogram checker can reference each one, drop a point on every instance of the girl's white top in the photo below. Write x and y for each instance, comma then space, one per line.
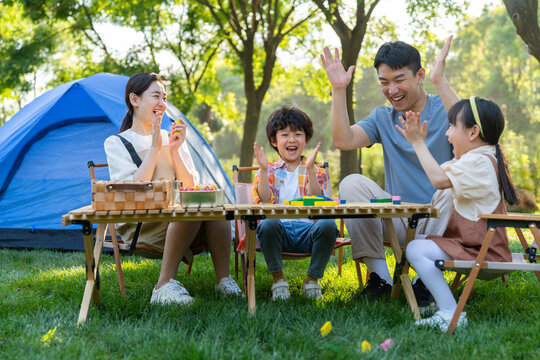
474, 182
122, 167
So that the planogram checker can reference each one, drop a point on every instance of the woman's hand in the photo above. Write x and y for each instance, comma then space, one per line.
178, 134
339, 78
413, 129
156, 131
310, 161
261, 157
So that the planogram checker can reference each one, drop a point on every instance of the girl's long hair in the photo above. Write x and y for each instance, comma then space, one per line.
492, 121
137, 84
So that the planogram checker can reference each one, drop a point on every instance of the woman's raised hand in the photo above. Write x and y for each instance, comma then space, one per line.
339, 78
261, 157
156, 131
310, 161
413, 129
178, 134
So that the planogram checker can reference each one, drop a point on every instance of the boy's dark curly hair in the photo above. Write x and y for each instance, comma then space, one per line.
288, 116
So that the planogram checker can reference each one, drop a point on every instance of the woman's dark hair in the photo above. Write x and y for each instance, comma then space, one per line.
288, 116
397, 54
492, 125
137, 84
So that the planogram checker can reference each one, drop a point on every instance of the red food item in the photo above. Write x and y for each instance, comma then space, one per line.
198, 188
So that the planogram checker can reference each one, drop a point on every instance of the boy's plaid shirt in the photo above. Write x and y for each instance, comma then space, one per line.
302, 180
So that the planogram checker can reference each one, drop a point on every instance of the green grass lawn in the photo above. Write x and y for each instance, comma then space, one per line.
40, 290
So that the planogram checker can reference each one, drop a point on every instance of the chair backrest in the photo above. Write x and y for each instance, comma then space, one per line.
91, 166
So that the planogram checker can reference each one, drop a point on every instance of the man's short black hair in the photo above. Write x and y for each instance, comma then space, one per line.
288, 117
397, 54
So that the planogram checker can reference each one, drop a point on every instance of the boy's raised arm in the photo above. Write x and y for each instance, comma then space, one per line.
345, 136
448, 96
314, 188
263, 187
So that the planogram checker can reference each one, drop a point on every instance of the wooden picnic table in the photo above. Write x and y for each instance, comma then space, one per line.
250, 213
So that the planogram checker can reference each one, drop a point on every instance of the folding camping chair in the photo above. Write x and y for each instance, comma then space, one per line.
487, 270
117, 244
244, 196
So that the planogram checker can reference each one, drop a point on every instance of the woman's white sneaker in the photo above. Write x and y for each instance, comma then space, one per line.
227, 286
171, 292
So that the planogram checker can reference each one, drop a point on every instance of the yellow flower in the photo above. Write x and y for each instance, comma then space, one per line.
48, 335
366, 346
326, 328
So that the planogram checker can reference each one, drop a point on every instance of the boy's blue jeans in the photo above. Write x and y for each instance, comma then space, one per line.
318, 238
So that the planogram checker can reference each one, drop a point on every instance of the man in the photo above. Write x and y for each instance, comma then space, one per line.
400, 76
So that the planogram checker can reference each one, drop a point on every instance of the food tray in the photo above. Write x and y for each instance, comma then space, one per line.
202, 198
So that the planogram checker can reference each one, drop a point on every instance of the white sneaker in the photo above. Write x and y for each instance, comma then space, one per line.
227, 286
280, 290
171, 292
312, 290
442, 320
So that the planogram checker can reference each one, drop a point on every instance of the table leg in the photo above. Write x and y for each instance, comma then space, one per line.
251, 239
407, 286
398, 255
98, 250
91, 289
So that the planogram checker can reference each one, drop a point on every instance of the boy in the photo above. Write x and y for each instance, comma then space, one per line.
289, 130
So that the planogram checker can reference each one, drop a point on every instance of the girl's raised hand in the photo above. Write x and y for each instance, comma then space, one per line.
178, 134
261, 157
310, 161
339, 78
413, 129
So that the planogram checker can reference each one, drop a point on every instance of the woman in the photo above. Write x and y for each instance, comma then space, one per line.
142, 151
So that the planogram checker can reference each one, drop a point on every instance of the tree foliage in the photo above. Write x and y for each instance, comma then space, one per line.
254, 30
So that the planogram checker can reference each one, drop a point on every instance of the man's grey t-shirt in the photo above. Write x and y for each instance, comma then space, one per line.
403, 174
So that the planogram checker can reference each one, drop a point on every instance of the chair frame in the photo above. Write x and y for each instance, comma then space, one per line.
239, 229
517, 221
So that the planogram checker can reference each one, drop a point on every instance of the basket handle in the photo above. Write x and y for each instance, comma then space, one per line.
132, 187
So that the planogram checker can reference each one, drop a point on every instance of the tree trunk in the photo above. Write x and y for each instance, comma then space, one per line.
253, 112
349, 161
524, 15
349, 158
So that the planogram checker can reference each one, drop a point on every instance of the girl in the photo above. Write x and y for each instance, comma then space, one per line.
143, 151
476, 175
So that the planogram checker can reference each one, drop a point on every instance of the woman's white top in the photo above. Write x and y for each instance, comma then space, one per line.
474, 182
122, 167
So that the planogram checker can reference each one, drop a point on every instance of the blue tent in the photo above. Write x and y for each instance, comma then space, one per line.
44, 152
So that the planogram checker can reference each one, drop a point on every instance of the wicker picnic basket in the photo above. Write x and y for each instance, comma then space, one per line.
131, 195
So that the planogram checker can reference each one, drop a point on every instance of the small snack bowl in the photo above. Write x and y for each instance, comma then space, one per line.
209, 198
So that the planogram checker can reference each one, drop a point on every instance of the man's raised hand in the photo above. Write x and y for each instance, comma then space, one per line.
339, 78
437, 73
